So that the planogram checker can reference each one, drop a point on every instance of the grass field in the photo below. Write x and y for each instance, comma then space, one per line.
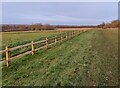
90, 59
12, 39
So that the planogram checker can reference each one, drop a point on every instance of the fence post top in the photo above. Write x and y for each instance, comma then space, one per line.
6, 47
46, 38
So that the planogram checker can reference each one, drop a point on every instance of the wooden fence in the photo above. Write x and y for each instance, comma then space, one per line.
48, 42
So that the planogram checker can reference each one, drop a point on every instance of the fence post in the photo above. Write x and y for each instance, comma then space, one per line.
7, 56
33, 50
55, 40
46, 42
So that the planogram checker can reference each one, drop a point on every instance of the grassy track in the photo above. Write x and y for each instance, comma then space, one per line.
86, 60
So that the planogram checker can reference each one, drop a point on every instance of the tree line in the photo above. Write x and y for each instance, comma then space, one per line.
7, 27
113, 24
39, 26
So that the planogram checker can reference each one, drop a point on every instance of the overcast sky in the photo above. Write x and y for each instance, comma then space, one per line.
67, 13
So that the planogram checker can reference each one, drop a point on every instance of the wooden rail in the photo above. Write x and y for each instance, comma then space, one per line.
55, 40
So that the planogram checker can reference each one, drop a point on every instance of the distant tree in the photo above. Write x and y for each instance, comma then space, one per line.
36, 26
113, 24
101, 25
107, 25
47, 27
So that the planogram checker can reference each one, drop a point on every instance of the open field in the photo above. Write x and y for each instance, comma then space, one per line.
90, 59
12, 39
17, 39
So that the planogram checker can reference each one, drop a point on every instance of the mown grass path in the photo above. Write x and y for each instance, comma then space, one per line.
89, 59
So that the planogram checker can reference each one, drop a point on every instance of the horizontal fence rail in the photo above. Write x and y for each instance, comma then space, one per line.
43, 44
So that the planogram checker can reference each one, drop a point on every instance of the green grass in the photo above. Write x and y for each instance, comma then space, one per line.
90, 59
12, 39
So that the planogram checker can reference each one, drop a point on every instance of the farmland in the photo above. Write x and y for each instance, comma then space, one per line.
90, 59
12, 39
